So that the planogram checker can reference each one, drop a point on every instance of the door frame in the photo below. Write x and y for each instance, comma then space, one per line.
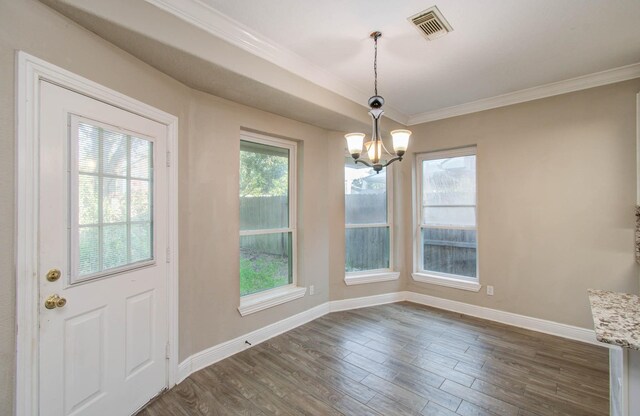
29, 72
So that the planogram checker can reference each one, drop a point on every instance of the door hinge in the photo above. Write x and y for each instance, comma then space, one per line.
168, 159
168, 254
167, 350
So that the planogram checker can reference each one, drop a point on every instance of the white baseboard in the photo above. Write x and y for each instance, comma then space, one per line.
219, 352
527, 322
355, 303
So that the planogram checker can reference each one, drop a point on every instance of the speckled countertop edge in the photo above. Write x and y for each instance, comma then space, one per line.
616, 318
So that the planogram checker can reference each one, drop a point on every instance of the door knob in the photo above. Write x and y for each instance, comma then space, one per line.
54, 301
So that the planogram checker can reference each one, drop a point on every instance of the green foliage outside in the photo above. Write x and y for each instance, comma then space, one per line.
262, 273
263, 175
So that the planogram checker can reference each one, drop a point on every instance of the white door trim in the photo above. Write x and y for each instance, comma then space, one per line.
30, 71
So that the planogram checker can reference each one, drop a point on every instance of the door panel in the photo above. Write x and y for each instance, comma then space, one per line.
84, 347
139, 337
103, 220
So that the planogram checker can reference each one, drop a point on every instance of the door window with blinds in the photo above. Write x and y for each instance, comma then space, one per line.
267, 213
367, 219
111, 184
447, 235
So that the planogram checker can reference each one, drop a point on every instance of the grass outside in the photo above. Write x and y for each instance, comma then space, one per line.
260, 271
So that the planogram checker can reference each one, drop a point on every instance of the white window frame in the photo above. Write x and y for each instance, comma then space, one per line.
376, 275
427, 276
272, 297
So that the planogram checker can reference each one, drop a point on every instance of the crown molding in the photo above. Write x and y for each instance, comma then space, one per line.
222, 26
556, 88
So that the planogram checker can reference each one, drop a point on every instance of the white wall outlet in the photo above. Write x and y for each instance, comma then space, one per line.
312, 290
490, 290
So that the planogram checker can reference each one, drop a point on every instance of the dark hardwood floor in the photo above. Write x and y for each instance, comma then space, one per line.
399, 359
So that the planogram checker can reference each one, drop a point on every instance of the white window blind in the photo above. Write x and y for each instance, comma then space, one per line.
112, 200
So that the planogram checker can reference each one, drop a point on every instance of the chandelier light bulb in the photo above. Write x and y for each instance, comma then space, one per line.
374, 150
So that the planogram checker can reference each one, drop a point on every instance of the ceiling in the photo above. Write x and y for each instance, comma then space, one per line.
312, 61
497, 46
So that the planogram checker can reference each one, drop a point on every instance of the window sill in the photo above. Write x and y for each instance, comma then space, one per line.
362, 278
261, 301
447, 281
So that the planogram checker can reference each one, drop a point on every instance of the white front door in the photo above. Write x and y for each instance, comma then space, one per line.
103, 225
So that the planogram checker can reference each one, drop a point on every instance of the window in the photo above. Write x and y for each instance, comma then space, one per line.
368, 233
112, 194
446, 237
267, 216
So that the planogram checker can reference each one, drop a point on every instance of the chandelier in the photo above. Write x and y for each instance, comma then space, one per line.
374, 147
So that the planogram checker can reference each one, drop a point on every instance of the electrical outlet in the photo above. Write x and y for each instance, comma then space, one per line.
312, 290
490, 290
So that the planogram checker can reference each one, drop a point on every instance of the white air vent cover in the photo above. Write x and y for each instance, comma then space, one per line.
430, 23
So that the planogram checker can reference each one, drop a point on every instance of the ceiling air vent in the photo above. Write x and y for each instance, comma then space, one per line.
431, 23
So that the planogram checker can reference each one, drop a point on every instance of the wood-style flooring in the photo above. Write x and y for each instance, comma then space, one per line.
399, 359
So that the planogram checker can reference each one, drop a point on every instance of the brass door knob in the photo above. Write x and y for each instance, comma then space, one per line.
54, 301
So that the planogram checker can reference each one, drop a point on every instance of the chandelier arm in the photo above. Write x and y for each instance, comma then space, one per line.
364, 162
398, 158
385, 148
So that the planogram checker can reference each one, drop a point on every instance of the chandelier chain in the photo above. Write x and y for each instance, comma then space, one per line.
375, 65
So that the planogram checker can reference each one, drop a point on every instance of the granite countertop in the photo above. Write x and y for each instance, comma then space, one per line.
616, 317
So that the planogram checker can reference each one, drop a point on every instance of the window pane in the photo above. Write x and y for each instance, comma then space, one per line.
114, 246
450, 251
365, 196
89, 261
264, 186
449, 181
114, 153
367, 249
88, 148
140, 200
140, 158
114, 200
265, 262
140, 242
88, 199
459, 216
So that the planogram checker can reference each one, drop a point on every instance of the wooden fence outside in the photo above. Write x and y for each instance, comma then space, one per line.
265, 212
446, 251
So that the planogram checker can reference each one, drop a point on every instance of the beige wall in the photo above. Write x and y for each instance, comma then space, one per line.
209, 239
208, 179
556, 197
